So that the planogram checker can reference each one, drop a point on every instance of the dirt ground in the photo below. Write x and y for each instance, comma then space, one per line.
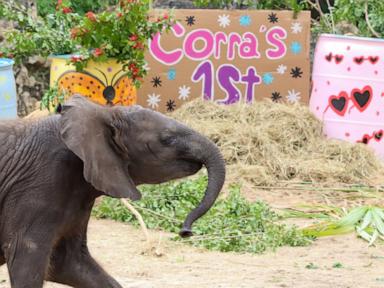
337, 262
118, 247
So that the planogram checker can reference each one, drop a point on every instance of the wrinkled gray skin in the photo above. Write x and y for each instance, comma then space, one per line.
53, 169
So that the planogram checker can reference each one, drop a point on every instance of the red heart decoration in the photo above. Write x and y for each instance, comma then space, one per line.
365, 139
359, 60
378, 135
373, 59
339, 59
329, 57
339, 103
362, 98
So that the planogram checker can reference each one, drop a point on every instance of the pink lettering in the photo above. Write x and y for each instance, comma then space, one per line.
170, 57
249, 48
190, 44
234, 40
275, 37
220, 37
201, 44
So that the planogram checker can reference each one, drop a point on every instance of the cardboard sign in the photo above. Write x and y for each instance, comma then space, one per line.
227, 57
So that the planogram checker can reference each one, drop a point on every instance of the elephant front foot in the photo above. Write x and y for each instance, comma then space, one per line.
71, 264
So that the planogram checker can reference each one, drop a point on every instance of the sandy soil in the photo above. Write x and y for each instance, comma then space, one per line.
119, 248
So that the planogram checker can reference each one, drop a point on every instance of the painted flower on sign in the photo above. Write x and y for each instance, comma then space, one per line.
296, 27
281, 69
296, 48
153, 100
184, 92
293, 96
224, 21
268, 78
245, 20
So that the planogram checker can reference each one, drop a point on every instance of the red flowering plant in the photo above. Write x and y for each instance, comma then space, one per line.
121, 33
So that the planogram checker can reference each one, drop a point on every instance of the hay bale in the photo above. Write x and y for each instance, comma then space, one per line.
269, 142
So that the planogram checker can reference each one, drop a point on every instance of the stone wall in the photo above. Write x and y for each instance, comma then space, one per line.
32, 76
32, 79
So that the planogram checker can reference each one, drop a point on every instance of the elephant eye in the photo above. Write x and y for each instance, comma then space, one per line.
168, 141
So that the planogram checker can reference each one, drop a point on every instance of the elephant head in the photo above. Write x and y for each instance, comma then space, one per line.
122, 147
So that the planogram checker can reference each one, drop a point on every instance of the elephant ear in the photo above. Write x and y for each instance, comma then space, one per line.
87, 130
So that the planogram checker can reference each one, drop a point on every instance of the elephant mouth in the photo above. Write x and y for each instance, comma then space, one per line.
194, 167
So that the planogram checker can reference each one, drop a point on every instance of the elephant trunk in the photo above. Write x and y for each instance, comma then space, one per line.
207, 152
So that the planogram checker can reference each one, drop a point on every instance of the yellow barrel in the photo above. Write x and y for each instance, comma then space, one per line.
103, 83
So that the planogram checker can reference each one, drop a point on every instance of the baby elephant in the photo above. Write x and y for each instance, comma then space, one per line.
53, 169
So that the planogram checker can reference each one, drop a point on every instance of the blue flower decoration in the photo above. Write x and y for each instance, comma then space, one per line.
172, 74
268, 78
245, 20
296, 48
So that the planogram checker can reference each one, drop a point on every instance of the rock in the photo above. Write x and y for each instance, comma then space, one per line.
346, 28
180, 4
30, 88
4, 26
37, 60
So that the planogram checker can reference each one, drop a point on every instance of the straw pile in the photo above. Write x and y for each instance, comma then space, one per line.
267, 142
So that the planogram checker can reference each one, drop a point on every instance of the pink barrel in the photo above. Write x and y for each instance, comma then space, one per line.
348, 89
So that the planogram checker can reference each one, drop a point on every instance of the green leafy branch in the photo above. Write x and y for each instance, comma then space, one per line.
367, 221
232, 224
36, 36
52, 98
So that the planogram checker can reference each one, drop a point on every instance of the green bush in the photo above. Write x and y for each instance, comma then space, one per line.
52, 98
256, 4
42, 36
354, 12
232, 224
350, 17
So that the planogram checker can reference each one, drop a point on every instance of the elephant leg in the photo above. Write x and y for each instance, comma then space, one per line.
27, 258
71, 264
